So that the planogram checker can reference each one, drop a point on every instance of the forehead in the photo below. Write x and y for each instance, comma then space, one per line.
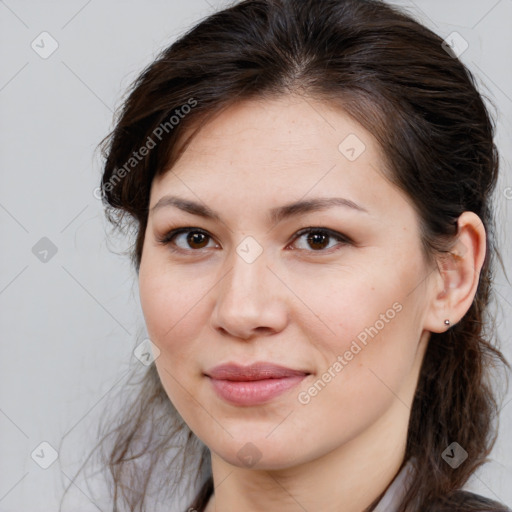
276, 151
289, 125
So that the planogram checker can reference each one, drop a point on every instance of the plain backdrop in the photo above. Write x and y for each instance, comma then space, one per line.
70, 316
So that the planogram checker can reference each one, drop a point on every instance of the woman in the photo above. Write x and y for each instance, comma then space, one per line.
310, 186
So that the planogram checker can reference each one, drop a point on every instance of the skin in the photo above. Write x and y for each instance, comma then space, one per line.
298, 304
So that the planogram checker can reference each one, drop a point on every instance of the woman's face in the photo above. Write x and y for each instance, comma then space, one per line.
344, 303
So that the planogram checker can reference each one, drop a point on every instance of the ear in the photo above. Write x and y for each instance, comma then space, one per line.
456, 279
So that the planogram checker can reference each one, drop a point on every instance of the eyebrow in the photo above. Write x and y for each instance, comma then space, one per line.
276, 215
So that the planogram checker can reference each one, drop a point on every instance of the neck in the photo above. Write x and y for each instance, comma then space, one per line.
349, 478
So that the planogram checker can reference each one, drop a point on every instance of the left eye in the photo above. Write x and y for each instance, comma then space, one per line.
318, 238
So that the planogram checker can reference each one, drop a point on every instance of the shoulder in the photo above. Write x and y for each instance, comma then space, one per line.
465, 501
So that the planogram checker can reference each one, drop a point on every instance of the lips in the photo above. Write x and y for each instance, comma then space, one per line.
255, 371
255, 384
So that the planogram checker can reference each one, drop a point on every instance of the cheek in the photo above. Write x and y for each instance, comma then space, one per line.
363, 373
369, 327
172, 310
353, 305
172, 320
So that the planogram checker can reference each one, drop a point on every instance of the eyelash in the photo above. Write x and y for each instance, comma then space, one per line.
167, 239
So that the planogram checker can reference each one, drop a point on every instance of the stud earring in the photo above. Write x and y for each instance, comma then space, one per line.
447, 322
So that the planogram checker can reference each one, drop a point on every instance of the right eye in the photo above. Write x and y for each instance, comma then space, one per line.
191, 239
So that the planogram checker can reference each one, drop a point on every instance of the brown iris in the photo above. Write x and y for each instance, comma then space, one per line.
318, 239
197, 240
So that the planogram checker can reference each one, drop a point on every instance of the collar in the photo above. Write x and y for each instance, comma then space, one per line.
396, 490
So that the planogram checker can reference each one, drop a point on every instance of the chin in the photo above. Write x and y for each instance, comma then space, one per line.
260, 454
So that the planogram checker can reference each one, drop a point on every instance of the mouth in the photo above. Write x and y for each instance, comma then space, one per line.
255, 384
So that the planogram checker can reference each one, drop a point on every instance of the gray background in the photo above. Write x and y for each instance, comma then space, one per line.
69, 325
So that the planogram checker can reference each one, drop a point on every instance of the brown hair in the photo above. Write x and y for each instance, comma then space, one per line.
394, 77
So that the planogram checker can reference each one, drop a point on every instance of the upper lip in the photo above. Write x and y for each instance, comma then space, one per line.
255, 371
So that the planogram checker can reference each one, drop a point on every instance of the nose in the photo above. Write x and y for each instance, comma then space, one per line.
250, 301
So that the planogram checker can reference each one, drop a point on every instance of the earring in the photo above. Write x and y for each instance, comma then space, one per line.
447, 322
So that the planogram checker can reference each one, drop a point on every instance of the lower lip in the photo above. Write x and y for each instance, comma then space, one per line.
254, 392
